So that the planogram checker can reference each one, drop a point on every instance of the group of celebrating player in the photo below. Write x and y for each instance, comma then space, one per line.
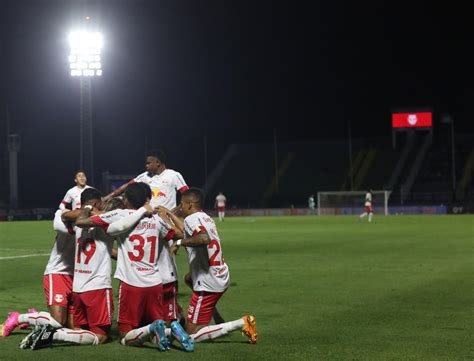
149, 229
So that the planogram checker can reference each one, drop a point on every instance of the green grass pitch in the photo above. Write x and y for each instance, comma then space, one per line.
322, 288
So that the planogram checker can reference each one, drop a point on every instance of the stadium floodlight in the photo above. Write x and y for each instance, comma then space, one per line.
84, 55
85, 63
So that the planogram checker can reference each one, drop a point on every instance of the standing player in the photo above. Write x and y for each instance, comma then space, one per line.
73, 195
311, 203
368, 206
141, 310
209, 272
164, 184
220, 205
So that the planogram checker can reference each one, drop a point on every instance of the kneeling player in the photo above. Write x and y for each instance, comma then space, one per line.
92, 287
209, 272
141, 310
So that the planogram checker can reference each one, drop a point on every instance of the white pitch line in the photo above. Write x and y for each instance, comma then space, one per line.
25, 256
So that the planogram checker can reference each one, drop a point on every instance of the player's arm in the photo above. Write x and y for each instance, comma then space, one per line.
66, 200
200, 238
127, 223
117, 192
59, 225
172, 220
84, 218
70, 216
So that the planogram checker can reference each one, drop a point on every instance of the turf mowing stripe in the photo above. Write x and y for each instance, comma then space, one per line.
25, 256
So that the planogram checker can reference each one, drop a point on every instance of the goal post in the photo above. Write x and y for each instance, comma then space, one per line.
351, 202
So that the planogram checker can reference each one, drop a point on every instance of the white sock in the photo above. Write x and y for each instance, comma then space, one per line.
136, 337
80, 337
168, 332
39, 319
370, 217
215, 331
363, 215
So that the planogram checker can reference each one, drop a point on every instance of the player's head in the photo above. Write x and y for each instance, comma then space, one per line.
192, 201
135, 195
80, 178
113, 203
146, 189
91, 196
155, 160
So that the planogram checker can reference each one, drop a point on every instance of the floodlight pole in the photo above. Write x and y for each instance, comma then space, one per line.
453, 160
86, 141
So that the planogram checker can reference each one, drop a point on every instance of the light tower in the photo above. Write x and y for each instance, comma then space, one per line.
85, 63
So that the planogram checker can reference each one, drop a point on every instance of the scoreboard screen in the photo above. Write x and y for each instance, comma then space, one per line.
412, 120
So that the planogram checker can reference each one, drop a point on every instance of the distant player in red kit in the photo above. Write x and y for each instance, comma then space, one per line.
220, 205
369, 210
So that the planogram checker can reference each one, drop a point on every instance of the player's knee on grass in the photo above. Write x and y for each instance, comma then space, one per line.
102, 333
59, 313
191, 328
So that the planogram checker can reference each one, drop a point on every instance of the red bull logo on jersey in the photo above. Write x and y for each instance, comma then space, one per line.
156, 193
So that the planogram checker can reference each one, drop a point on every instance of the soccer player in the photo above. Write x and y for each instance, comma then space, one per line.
220, 205
57, 282
209, 272
92, 286
73, 195
164, 184
368, 206
311, 203
141, 310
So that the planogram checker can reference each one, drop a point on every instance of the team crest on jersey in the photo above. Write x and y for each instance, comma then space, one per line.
58, 297
156, 193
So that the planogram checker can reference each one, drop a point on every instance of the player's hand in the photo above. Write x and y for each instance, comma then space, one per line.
162, 211
149, 209
174, 249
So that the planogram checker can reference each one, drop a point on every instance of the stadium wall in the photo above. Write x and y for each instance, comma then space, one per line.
48, 213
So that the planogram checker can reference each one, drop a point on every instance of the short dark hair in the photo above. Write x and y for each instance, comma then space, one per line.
113, 203
146, 189
80, 171
196, 194
136, 195
158, 154
90, 194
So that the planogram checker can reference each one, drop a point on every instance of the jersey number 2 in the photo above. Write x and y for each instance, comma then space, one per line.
212, 259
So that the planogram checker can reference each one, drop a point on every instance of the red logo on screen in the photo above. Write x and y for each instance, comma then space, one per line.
412, 120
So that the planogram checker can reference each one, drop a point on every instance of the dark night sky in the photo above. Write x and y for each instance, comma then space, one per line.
176, 70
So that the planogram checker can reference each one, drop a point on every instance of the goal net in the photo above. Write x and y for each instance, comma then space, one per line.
351, 202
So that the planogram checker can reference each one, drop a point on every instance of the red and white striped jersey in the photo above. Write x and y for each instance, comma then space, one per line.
208, 269
61, 260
